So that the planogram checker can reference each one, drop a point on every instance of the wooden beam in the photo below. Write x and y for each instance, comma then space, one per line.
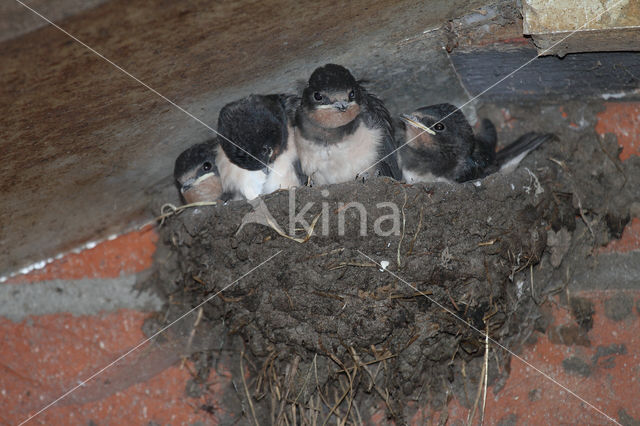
559, 27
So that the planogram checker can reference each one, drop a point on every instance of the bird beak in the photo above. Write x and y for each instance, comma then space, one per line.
191, 182
187, 185
412, 120
341, 106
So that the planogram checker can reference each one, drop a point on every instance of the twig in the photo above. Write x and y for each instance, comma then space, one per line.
280, 232
575, 192
357, 264
328, 295
410, 342
228, 299
304, 385
289, 382
415, 236
263, 372
375, 361
320, 394
246, 389
193, 330
584, 218
486, 370
453, 302
359, 421
533, 296
293, 415
399, 261
410, 296
286, 293
615, 163
173, 210
348, 391
317, 411
314, 256
383, 395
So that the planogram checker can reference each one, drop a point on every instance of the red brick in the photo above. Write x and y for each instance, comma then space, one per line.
629, 241
623, 120
43, 357
609, 389
55, 351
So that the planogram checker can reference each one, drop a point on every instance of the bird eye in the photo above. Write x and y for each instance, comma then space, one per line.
352, 95
206, 166
438, 127
317, 96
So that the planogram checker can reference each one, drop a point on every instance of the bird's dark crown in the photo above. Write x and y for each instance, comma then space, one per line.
442, 112
254, 127
454, 121
332, 77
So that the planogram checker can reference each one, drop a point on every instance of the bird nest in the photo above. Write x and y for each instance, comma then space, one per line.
389, 299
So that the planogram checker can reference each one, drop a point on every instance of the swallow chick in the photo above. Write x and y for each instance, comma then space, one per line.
342, 132
196, 173
440, 146
257, 153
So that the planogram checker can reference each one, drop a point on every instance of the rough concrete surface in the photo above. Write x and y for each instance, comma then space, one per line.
77, 297
17, 20
615, 272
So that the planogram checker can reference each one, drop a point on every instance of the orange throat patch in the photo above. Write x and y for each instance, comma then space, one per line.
418, 138
332, 118
209, 189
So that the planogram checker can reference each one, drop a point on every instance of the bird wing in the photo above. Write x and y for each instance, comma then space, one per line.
510, 156
378, 116
291, 104
483, 158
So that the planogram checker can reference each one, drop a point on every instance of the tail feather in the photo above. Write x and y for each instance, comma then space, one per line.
510, 156
487, 135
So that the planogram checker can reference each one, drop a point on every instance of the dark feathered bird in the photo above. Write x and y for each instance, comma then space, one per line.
196, 173
440, 146
257, 154
342, 131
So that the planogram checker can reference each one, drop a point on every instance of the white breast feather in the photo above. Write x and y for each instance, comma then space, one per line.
238, 180
251, 184
339, 162
283, 174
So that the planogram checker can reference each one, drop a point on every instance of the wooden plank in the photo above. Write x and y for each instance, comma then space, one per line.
575, 76
559, 27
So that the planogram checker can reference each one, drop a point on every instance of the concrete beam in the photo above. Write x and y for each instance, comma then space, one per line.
78, 297
18, 20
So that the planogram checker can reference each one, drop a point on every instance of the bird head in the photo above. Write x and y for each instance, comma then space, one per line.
196, 173
437, 127
255, 131
332, 97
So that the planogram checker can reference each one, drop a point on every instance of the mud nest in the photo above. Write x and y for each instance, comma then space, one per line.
323, 332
